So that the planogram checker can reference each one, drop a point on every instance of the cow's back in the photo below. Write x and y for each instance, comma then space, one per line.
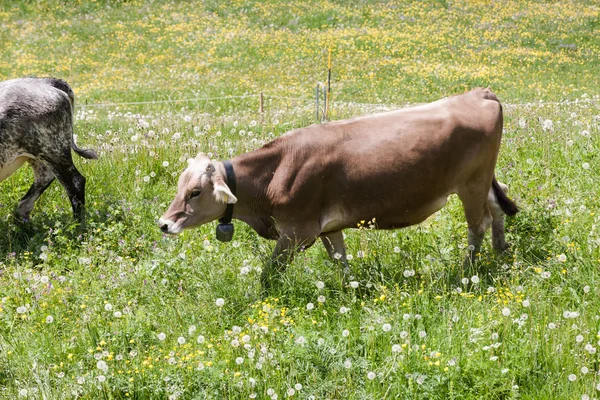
31, 105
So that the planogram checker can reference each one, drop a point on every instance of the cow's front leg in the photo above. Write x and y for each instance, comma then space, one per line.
282, 255
334, 244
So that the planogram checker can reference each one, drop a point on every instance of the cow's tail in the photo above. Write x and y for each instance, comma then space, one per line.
507, 205
85, 153
64, 86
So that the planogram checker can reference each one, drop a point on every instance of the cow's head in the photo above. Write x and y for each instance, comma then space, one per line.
202, 196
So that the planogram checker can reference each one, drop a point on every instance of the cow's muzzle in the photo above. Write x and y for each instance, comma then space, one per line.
168, 226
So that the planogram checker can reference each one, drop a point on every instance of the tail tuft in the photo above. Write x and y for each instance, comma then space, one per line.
507, 205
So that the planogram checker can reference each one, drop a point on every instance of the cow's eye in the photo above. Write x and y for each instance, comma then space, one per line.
194, 194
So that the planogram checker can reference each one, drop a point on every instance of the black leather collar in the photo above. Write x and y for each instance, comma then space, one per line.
225, 227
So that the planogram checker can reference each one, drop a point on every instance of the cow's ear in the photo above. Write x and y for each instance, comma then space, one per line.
221, 191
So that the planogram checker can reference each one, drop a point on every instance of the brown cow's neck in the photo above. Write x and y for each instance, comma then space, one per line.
253, 172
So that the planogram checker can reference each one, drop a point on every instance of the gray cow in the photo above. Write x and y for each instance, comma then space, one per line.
36, 126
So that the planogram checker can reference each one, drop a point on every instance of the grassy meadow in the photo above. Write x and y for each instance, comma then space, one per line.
121, 311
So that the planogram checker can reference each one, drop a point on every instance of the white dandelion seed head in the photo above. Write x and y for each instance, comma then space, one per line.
396, 348
101, 365
321, 299
347, 364
239, 360
345, 333
572, 377
354, 284
310, 306
220, 302
49, 319
475, 279
108, 307
161, 336
386, 327
506, 311
371, 375
181, 340
320, 285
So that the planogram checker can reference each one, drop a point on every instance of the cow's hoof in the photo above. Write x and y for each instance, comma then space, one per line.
21, 219
501, 247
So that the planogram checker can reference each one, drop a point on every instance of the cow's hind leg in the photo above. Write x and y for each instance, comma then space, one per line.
43, 177
478, 219
72, 181
334, 244
498, 240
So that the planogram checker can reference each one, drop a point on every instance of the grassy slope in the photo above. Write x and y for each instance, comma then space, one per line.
393, 53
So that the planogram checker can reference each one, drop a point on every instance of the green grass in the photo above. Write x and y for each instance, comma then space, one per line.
112, 289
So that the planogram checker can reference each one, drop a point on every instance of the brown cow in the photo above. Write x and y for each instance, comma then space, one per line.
396, 167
